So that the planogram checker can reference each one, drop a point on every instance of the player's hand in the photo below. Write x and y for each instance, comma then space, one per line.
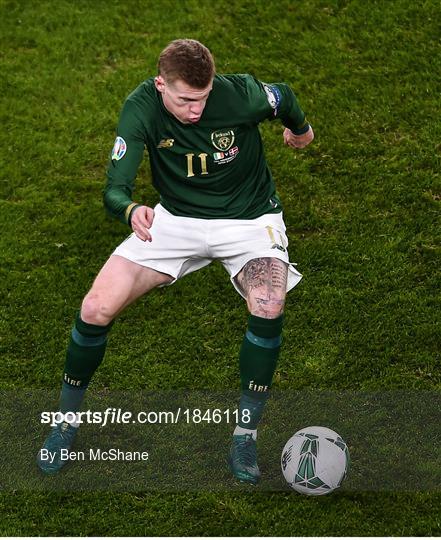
141, 221
298, 141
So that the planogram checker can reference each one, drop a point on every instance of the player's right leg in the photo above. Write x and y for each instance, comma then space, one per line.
119, 283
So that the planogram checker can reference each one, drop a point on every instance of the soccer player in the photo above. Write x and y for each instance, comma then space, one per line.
217, 201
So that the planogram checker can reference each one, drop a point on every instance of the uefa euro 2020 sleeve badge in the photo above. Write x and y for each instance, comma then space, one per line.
119, 149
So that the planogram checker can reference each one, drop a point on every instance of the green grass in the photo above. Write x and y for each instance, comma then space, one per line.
362, 205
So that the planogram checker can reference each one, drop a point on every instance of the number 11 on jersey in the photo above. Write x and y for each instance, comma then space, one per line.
203, 160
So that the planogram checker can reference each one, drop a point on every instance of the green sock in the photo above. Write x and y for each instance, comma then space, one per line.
84, 354
258, 359
71, 397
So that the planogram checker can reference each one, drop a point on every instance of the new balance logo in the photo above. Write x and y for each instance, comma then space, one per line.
166, 143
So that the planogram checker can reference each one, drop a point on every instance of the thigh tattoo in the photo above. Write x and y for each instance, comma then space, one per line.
263, 282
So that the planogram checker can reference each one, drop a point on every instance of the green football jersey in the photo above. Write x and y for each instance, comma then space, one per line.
212, 169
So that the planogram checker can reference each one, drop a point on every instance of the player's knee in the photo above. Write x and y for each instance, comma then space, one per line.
265, 305
94, 310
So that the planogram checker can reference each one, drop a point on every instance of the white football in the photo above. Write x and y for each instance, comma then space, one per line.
315, 460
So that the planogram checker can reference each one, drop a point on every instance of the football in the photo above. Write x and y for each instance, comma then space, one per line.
315, 461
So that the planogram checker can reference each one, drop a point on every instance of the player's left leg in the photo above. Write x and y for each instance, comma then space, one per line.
263, 282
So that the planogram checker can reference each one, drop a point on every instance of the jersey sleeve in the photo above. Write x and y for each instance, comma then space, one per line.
124, 162
286, 107
277, 100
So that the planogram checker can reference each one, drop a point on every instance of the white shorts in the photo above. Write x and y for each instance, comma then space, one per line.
181, 245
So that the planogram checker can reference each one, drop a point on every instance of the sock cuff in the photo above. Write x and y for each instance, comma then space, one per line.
91, 329
265, 328
266, 343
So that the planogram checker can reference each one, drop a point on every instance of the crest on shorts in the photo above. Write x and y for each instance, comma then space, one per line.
222, 140
119, 148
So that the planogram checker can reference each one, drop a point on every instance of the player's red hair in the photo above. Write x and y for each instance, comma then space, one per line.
187, 60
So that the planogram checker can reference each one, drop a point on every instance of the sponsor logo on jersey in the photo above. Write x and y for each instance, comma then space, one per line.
119, 149
222, 140
220, 158
166, 143
273, 96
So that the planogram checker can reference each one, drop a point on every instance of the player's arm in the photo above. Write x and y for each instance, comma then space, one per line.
279, 101
122, 170
298, 132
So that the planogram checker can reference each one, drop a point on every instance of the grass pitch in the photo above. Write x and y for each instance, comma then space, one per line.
362, 205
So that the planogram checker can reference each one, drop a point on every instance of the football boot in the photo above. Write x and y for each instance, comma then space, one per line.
53, 455
243, 458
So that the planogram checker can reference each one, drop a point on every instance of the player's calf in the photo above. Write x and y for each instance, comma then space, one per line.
85, 353
263, 282
258, 359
